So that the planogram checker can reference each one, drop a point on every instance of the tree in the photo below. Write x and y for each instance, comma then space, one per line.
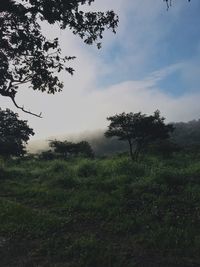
62, 148
165, 148
47, 155
84, 149
69, 149
14, 134
138, 130
27, 56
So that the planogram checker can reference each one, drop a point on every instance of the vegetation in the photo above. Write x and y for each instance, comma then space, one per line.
67, 208
102, 212
14, 134
139, 130
187, 134
28, 56
65, 149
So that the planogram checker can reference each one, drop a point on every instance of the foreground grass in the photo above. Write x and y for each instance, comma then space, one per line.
100, 213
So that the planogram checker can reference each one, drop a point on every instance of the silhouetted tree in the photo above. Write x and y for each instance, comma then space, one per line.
84, 148
63, 148
27, 56
138, 130
68, 149
14, 134
47, 155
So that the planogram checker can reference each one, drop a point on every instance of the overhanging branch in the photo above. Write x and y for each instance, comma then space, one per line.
24, 110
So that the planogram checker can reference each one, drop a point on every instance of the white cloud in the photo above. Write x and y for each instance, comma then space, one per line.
83, 105
78, 110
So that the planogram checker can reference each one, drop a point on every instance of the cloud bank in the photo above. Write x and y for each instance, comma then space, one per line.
127, 74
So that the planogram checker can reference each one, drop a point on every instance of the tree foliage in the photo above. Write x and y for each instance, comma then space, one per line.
165, 148
47, 155
69, 149
187, 134
14, 134
27, 56
138, 130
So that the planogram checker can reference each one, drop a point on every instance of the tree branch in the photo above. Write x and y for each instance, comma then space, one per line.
24, 110
169, 3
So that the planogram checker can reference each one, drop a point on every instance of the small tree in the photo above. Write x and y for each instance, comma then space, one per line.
85, 149
138, 130
67, 149
64, 149
47, 155
14, 134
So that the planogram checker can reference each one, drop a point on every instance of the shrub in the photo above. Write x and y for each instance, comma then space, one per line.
65, 182
87, 169
172, 177
2, 172
47, 155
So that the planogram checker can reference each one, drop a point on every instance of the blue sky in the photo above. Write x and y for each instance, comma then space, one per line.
153, 62
163, 38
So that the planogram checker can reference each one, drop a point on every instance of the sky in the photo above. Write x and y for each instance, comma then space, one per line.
152, 62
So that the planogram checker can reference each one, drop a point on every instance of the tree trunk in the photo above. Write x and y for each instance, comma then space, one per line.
137, 151
131, 150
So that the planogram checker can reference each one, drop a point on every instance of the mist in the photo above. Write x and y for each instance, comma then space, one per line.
101, 145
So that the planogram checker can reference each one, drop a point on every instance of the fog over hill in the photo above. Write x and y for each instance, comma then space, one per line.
100, 144
185, 134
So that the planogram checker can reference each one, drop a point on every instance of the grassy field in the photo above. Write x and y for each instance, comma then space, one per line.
100, 213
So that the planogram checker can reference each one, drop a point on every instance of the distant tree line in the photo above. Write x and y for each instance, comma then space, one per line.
187, 134
134, 132
67, 150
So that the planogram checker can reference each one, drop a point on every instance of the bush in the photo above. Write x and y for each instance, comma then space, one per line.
126, 166
87, 169
2, 172
172, 177
47, 155
64, 182
164, 148
58, 166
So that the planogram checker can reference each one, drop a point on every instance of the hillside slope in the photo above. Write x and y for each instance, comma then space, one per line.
108, 212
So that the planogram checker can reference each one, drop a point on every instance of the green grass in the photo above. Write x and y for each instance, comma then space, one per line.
100, 213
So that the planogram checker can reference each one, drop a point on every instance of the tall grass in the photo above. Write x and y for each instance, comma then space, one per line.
101, 212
